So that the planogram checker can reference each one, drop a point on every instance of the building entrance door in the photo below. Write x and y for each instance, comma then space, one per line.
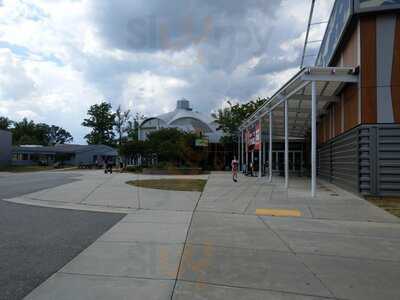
295, 161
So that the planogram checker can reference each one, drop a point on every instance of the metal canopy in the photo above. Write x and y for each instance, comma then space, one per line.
295, 107
297, 91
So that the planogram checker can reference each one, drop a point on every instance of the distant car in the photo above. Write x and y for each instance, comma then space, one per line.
85, 166
43, 163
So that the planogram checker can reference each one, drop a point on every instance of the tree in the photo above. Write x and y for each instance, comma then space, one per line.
133, 126
24, 132
230, 118
58, 135
171, 146
101, 120
167, 144
174, 146
121, 123
42, 131
27, 132
134, 148
5, 123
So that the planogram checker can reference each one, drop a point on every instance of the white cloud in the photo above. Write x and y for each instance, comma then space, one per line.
14, 81
57, 57
56, 94
150, 93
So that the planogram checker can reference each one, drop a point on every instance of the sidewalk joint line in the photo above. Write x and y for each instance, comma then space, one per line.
185, 242
241, 248
95, 189
259, 289
301, 261
115, 276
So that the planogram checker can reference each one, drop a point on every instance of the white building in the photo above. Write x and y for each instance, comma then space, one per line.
184, 118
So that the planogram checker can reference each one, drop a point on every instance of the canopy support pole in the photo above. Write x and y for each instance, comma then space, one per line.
270, 147
286, 145
259, 150
247, 152
242, 160
313, 138
238, 153
264, 145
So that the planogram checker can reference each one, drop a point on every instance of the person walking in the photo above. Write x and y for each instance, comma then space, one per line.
109, 166
234, 166
105, 162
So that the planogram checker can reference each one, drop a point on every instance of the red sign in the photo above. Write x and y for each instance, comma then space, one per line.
257, 144
253, 136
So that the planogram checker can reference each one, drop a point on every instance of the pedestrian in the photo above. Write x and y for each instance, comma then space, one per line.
234, 166
105, 165
109, 166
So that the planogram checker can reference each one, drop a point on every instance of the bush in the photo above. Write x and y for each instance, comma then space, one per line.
173, 171
133, 169
170, 147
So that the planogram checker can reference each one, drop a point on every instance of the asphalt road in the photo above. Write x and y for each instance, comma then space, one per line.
14, 185
35, 242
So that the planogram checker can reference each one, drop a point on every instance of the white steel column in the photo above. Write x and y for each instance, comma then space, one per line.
242, 162
286, 145
252, 162
313, 138
263, 154
238, 153
259, 151
270, 147
246, 152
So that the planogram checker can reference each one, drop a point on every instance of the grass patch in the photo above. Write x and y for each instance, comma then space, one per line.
22, 169
391, 205
190, 185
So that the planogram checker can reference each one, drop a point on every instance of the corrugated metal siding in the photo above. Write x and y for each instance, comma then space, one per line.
324, 161
388, 178
365, 160
345, 161
366, 167
338, 160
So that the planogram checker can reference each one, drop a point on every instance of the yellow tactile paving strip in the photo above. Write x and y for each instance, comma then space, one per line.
278, 212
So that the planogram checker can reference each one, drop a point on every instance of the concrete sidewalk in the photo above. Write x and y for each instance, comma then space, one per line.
341, 247
139, 257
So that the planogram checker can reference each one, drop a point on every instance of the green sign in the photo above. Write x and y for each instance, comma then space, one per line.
203, 142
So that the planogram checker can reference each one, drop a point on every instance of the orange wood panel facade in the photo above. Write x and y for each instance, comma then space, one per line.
359, 49
395, 89
350, 106
330, 124
322, 129
368, 69
350, 52
338, 118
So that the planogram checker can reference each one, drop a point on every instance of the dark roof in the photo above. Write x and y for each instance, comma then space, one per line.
67, 148
80, 148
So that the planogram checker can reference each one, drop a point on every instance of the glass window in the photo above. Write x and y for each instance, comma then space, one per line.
370, 5
341, 13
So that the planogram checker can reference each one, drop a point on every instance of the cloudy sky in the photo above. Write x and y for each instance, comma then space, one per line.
57, 57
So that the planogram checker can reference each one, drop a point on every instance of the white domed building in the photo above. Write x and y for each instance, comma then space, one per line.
185, 119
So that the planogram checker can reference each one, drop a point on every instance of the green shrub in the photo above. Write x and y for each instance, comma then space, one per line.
133, 169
